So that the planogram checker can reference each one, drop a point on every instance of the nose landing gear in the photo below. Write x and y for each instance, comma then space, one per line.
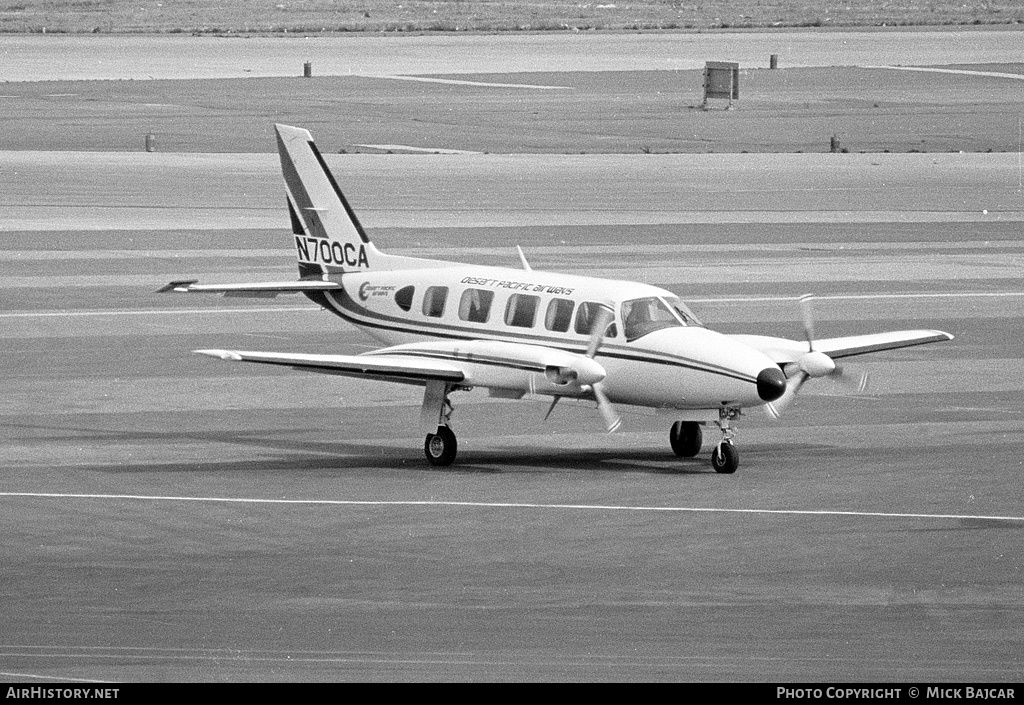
724, 457
686, 436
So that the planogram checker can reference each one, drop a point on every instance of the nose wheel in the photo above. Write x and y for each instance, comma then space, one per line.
724, 456
685, 438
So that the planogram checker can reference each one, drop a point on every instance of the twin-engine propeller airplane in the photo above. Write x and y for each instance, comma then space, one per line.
452, 327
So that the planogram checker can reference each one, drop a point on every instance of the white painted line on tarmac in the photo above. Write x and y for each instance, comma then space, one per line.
507, 505
852, 297
163, 312
66, 679
407, 148
311, 308
963, 72
463, 82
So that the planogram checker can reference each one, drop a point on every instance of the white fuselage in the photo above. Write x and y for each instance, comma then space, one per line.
679, 365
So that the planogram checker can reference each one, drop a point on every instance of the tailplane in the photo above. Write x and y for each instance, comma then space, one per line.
328, 236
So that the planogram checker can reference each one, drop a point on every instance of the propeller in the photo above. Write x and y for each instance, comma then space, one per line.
812, 363
602, 319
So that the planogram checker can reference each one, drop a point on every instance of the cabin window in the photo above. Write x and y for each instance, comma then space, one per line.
586, 316
434, 300
559, 315
403, 297
643, 316
475, 305
521, 310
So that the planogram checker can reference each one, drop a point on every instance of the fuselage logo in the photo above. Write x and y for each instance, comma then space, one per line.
367, 290
320, 251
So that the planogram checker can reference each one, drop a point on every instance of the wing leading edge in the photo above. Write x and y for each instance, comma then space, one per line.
469, 363
783, 351
408, 370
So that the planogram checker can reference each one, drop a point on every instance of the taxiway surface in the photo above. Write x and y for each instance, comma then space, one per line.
169, 517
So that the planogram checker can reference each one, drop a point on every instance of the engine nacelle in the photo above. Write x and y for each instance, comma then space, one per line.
816, 364
560, 375
583, 371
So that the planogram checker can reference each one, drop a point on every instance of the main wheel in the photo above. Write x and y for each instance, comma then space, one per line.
441, 447
685, 438
725, 458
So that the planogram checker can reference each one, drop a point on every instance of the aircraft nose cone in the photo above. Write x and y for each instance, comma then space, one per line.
771, 383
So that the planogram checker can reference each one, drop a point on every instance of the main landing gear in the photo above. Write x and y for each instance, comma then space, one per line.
686, 438
440, 447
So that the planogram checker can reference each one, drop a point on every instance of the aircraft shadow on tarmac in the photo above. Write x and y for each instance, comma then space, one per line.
274, 451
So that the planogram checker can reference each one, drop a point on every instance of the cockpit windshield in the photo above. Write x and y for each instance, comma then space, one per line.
643, 316
684, 312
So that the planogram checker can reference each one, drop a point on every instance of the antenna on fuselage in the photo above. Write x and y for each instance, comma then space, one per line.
522, 258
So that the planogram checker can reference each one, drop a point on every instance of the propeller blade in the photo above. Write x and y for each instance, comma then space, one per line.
611, 417
552, 407
776, 408
858, 383
602, 318
807, 309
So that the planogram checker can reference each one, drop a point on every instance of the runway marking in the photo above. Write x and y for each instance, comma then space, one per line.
963, 72
167, 312
508, 505
463, 82
407, 148
50, 678
313, 308
243, 657
851, 297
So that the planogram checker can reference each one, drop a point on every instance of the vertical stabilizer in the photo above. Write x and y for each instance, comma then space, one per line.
328, 235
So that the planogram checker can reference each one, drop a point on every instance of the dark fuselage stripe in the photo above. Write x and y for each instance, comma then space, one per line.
341, 197
339, 309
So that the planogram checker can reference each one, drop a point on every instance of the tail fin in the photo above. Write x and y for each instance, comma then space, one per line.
328, 235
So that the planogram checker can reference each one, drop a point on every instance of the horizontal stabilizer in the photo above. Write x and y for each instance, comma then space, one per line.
256, 290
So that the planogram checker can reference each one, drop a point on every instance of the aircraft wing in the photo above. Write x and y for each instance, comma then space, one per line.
257, 290
783, 350
393, 368
483, 363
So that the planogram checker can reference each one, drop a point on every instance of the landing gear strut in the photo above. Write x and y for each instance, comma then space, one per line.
724, 457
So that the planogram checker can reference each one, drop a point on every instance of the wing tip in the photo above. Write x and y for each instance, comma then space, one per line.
181, 285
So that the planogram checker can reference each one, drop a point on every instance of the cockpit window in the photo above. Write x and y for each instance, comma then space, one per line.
643, 316
684, 312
